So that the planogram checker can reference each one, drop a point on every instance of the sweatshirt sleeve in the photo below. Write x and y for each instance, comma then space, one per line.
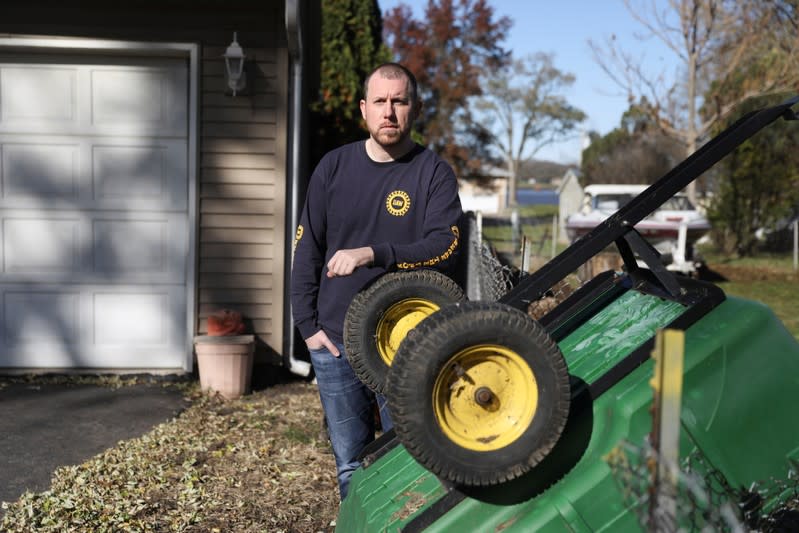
438, 247
308, 257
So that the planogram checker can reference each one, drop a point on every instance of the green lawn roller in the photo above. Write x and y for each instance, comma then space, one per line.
505, 423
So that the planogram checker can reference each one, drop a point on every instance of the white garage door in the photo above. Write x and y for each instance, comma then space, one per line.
93, 212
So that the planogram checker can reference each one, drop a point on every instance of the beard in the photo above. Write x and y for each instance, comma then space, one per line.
390, 136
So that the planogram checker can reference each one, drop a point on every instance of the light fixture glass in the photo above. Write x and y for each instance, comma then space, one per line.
234, 66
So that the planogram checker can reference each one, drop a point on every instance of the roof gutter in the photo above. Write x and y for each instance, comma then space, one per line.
296, 118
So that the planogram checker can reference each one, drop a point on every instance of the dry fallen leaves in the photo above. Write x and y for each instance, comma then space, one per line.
258, 463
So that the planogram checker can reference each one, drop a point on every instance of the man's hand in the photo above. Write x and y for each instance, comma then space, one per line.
344, 262
320, 340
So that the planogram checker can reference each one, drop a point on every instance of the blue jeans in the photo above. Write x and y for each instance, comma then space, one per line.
349, 412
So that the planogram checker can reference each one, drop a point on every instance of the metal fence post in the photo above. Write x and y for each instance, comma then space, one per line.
474, 285
525, 254
515, 229
554, 233
796, 245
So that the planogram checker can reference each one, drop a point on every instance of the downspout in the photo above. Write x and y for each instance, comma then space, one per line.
294, 38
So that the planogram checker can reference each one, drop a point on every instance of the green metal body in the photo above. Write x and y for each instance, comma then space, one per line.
739, 407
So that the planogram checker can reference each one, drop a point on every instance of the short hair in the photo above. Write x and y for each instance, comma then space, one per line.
394, 71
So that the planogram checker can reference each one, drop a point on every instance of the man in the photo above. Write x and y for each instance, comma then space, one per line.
372, 206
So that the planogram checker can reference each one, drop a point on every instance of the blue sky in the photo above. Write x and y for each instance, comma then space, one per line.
563, 27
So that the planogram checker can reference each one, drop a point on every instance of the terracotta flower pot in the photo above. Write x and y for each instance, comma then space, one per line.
225, 363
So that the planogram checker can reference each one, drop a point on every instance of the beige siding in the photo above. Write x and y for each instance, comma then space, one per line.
242, 195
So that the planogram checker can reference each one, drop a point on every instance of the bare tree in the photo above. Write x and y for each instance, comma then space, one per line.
713, 40
522, 110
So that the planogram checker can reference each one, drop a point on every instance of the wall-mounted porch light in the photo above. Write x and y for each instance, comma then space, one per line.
234, 66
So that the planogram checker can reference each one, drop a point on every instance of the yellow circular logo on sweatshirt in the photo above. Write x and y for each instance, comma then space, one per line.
298, 235
398, 203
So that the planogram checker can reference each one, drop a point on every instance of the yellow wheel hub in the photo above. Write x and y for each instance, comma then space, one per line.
485, 397
397, 321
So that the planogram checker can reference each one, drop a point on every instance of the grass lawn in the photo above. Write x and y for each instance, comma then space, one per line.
539, 235
769, 279
781, 297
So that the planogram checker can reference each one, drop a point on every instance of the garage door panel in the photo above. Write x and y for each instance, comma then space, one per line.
139, 176
131, 246
114, 321
41, 245
38, 95
125, 326
137, 97
114, 101
47, 171
38, 317
141, 248
135, 170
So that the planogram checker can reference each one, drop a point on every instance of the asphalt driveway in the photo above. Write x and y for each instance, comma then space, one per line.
49, 424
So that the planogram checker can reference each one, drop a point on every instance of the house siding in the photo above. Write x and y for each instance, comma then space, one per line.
242, 140
242, 194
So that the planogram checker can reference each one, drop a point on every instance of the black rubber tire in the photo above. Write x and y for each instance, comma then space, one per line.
427, 356
371, 304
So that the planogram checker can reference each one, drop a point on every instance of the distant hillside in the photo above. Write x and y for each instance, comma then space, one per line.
542, 171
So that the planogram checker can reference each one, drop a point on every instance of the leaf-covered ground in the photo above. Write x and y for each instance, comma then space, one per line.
259, 463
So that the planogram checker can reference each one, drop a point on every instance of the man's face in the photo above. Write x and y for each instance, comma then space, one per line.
388, 110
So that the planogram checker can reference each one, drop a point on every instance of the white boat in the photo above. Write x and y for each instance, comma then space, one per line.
672, 229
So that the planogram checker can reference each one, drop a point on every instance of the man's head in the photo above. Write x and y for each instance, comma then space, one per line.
390, 104
394, 71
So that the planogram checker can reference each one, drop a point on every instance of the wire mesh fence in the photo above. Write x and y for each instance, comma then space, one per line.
487, 277
492, 272
704, 500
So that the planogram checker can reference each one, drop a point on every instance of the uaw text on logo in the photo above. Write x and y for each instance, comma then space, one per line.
398, 203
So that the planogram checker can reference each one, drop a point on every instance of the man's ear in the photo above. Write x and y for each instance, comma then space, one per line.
362, 105
417, 108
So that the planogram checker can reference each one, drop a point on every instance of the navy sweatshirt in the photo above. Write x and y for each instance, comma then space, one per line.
406, 210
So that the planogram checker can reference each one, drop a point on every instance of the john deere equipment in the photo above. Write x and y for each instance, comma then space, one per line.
506, 423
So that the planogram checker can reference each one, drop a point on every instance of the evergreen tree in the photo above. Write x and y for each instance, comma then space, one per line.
757, 187
352, 45
758, 184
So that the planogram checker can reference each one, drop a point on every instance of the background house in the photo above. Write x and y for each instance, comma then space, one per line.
486, 197
570, 200
137, 194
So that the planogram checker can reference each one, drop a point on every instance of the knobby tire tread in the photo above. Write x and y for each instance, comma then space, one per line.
369, 304
421, 357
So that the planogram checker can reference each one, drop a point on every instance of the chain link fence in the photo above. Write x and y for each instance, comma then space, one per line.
487, 278
491, 273
704, 500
